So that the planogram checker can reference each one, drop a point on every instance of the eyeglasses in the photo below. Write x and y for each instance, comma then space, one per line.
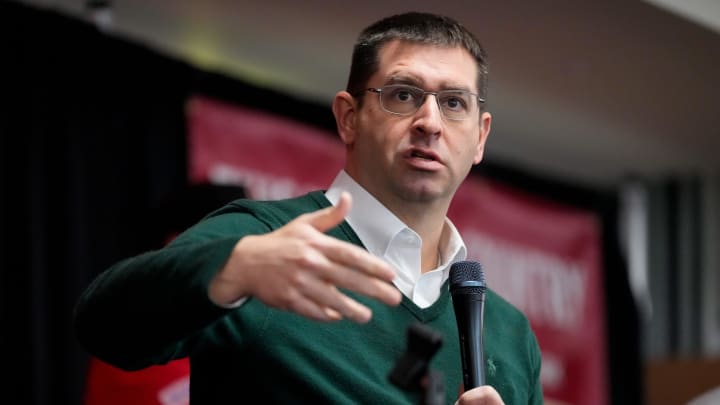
402, 99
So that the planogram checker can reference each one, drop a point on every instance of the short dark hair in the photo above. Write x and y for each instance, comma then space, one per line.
423, 28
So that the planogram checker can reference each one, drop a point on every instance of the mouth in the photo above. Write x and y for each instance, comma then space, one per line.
423, 159
423, 155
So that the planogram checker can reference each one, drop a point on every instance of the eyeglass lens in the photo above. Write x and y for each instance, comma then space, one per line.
403, 99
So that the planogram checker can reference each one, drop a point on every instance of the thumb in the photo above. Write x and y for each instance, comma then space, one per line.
331, 217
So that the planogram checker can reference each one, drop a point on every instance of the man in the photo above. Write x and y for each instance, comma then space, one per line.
308, 299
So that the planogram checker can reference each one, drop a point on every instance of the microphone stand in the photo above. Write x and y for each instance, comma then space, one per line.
412, 371
434, 392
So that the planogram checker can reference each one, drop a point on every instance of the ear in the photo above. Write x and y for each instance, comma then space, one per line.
344, 108
485, 121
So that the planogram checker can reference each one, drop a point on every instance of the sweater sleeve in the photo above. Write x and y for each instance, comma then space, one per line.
145, 310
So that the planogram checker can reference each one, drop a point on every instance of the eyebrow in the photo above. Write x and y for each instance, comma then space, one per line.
417, 82
404, 79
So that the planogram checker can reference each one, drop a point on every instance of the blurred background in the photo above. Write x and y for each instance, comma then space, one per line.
606, 107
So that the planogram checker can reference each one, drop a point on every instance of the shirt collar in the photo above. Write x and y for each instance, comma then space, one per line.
376, 226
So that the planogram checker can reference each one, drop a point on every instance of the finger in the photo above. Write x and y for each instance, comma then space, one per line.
360, 283
359, 276
480, 395
330, 217
328, 296
353, 268
310, 309
355, 257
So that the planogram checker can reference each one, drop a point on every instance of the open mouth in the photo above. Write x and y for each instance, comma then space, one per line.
421, 155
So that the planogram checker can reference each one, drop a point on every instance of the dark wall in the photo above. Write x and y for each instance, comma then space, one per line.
92, 143
92, 135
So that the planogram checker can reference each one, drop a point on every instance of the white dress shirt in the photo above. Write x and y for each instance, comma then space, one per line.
386, 236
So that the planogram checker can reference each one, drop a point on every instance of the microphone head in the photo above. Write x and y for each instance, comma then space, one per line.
468, 276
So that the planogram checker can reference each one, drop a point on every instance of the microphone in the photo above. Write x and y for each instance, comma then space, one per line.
467, 287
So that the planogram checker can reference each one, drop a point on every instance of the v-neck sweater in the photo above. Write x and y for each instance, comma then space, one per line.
154, 308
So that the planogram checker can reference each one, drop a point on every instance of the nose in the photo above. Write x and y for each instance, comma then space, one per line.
428, 118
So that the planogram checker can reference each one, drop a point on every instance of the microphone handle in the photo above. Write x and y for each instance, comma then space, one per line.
469, 314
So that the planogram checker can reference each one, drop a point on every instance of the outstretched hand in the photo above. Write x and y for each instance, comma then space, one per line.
301, 269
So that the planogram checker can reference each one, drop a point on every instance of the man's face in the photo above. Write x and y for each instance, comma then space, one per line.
421, 157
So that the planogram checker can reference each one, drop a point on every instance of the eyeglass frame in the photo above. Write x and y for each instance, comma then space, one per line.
379, 91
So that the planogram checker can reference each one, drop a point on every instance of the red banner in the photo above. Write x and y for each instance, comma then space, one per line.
543, 257
272, 157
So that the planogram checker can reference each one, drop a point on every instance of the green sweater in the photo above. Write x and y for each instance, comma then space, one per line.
154, 308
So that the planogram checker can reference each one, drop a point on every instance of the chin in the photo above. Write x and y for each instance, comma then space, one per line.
421, 194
